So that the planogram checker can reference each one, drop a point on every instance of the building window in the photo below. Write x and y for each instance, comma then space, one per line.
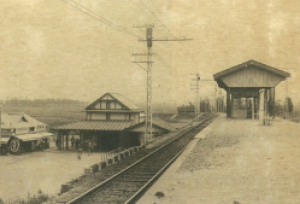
103, 104
112, 105
97, 106
31, 129
107, 116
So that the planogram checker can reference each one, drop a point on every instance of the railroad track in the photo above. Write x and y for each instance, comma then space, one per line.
130, 184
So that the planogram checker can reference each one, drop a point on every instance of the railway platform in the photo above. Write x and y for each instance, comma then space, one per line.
234, 161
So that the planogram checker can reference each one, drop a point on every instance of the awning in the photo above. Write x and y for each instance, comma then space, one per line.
97, 125
4, 140
36, 136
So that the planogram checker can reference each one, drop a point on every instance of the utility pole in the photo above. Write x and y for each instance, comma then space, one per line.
0, 127
149, 40
197, 105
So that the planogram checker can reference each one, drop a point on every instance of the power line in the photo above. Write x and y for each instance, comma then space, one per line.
97, 17
141, 66
163, 62
155, 16
149, 40
167, 29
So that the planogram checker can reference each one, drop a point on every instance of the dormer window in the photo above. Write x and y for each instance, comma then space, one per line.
103, 104
107, 116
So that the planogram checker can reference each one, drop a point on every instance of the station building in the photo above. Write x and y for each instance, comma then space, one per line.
250, 88
112, 121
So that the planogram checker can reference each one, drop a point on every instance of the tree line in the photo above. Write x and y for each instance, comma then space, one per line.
39, 102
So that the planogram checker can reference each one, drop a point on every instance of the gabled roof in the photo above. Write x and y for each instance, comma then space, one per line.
251, 62
120, 98
125, 101
18, 120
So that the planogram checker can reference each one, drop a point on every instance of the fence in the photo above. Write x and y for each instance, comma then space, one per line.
111, 154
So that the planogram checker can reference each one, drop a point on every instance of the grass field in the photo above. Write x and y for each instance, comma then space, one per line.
52, 115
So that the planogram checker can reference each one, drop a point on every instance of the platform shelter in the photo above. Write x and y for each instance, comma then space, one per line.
250, 88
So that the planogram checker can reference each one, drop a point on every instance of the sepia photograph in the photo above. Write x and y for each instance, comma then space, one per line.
149, 102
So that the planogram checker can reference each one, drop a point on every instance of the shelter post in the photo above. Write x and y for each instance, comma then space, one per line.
272, 102
253, 108
261, 105
67, 141
228, 105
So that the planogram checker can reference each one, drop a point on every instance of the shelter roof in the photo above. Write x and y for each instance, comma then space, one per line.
251, 62
99, 125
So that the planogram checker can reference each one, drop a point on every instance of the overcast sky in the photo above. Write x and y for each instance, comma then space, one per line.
49, 49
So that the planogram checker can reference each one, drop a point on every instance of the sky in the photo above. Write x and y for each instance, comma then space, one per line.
49, 49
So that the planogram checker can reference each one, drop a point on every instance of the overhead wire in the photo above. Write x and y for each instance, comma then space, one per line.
92, 14
155, 15
169, 67
141, 66
163, 61
167, 28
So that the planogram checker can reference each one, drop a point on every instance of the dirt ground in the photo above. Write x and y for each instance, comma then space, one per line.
238, 161
46, 171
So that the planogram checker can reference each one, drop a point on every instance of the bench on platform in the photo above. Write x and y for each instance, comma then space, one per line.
268, 120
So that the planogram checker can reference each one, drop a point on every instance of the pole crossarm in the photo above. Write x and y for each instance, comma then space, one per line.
142, 62
149, 40
142, 54
168, 39
144, 26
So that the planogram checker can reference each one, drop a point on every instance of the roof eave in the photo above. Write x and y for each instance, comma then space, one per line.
250, 62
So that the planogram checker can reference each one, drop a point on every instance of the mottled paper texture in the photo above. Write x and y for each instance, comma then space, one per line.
82, 49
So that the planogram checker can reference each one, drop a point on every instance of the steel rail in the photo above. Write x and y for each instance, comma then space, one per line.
142, 190
112, 178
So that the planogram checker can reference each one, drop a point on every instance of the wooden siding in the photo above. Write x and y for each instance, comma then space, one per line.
252, 76
135, 117
98, 116
118, 116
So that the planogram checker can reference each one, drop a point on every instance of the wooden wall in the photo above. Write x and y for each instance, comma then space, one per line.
252, 77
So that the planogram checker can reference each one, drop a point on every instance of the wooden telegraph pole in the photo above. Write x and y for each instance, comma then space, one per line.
0, 127
197, 105
149, 40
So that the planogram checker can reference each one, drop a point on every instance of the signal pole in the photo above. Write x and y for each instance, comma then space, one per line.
197, 104
0, 128
149, 40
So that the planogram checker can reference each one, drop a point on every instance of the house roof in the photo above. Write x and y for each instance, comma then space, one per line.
18, 120
125, 101
120, 98
100, 125
27, 137
251, 62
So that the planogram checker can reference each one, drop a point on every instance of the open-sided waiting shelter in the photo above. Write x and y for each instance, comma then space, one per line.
250, 88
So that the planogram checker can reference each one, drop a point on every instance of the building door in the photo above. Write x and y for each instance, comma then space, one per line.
234, 108
239, 108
